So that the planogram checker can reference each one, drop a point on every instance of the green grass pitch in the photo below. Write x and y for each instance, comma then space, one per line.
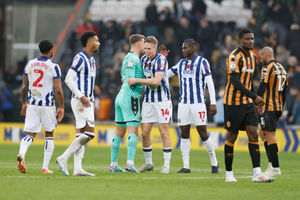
200, 184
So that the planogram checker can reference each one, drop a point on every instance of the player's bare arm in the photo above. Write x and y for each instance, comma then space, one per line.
60, 98
150, 81
25, 86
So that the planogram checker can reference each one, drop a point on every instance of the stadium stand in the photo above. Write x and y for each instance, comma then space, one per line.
214, 25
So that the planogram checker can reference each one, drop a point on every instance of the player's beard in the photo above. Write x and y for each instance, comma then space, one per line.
141, 53
249, 48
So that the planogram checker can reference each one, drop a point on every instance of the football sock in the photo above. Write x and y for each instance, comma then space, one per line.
48, 151
78, 155
25, 143
131, 147
254, 153
148, 155
115, 148
228, 151
256, 171
185, 146
267, 150
211, 151
167, 157
273, 149
77, 143
229, 173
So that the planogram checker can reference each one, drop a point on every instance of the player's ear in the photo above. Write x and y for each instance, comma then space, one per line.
51, 52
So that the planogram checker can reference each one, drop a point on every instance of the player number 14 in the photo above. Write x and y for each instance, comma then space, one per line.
165, 112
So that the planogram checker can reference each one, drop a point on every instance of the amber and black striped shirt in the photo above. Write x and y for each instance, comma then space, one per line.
243, 65
274, 76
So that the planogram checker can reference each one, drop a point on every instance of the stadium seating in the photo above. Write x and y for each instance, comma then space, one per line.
227, 11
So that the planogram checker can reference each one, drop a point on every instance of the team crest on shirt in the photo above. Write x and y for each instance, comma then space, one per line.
228, 124
130, 63
188, 66
147, 66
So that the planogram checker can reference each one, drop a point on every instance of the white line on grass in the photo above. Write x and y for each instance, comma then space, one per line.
119, 177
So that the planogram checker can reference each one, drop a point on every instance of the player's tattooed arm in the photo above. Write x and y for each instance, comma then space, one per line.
25, 86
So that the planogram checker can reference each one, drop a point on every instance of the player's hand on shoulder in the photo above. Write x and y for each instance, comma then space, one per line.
163, 50
23, 111
212, 109
132, 81
60, 114
85, 101
259, 101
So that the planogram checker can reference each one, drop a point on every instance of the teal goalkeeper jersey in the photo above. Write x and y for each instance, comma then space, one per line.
132, 68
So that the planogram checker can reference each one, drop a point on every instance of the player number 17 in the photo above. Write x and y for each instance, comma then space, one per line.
202, 115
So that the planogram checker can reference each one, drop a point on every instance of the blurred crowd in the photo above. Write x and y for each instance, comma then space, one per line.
275, 23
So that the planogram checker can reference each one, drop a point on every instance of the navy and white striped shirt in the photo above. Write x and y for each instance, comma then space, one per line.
40, 72
157, 64
192, 82
85, 67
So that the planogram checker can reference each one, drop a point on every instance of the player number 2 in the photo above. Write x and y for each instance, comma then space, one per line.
36, 82
165, 112
202, 114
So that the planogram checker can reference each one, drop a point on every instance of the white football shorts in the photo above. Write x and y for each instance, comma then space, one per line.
157, 112
82, 114
195, 114
36, 116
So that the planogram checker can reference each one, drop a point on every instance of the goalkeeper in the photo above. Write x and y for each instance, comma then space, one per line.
127, 105
157, 106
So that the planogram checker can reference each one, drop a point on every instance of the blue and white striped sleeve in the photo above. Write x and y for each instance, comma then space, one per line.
209, 81
57, 72
205, 68
77, 63
173, 70
161, 65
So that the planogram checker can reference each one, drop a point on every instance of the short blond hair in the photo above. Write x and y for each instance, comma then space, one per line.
151, 40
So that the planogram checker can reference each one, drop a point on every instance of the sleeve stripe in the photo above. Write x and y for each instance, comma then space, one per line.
57, 72
174, 70
74, 69
79, 63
